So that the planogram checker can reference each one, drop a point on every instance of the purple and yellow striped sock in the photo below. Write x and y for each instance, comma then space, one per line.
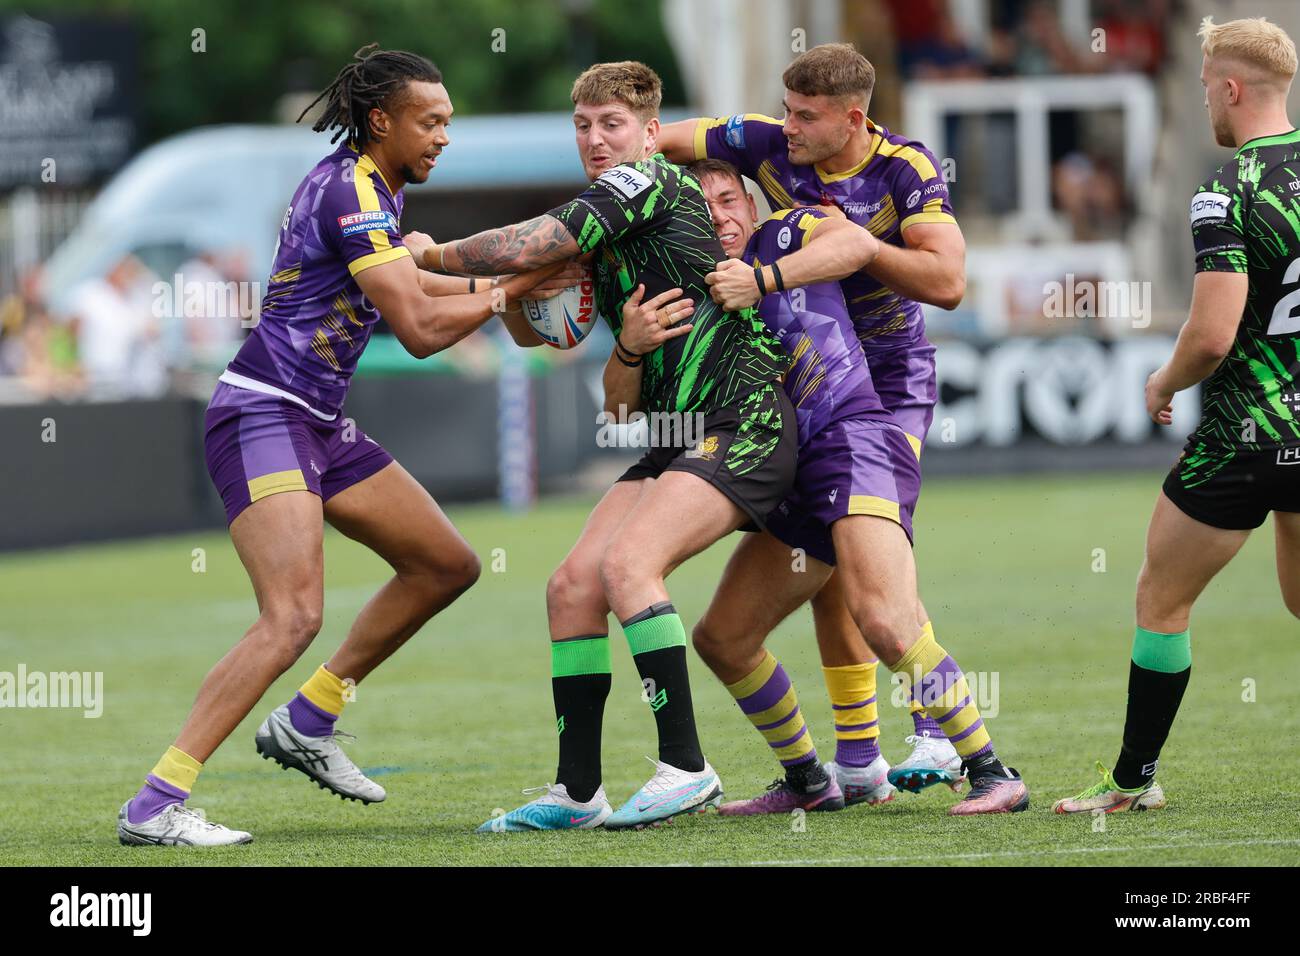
317, 704
922, 723
171, 781
938, 683
852, 689
767, 698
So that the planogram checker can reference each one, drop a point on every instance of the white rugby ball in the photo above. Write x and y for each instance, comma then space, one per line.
566, 319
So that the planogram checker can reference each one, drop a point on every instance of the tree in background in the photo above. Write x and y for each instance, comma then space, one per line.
253, 54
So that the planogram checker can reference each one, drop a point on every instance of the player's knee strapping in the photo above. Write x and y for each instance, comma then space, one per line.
657, 640
938, 683
580, 682
767, 697
852, 689
1159, 671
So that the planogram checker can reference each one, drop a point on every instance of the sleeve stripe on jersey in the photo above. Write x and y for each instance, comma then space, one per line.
932, 211
368, 200
809, 222
377, 258
707, 123
702, 127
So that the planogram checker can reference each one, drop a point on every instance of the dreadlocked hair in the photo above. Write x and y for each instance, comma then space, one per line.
371, 80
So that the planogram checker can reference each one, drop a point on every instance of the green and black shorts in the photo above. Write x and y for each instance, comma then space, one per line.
747, 451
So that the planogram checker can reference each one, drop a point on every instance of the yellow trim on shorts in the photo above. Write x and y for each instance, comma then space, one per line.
275, 483
915, 443
874, 505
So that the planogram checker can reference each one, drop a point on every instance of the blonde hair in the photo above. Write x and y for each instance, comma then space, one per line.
633, 84
1255, 42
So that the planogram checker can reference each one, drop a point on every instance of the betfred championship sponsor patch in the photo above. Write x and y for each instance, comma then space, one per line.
378, 219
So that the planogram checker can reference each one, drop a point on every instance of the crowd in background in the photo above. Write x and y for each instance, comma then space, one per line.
121, 335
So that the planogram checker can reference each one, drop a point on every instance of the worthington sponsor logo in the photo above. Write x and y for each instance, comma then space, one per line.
79, 690
75, 908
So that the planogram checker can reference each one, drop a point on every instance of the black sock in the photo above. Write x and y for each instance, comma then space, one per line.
658, 643
579, 712
1153, 699
807, 777
984, 764
580, 684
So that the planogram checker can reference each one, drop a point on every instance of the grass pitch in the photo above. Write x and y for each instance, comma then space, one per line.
461, 718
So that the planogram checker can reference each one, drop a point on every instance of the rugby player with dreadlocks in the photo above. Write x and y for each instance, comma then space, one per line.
285, 460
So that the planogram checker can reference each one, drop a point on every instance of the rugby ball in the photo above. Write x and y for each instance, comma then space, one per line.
566, 319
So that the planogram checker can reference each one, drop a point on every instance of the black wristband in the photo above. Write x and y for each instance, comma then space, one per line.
472, 285
776, 277
758, 277
625, 362
618, 344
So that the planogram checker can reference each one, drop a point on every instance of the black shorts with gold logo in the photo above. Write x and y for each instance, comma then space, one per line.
747, 451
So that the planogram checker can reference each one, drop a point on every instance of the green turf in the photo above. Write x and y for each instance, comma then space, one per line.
461, 718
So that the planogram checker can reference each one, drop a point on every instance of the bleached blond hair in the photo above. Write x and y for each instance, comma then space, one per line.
1262, 48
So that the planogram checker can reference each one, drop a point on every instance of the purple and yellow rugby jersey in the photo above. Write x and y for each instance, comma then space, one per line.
315, 322
897, 184
828, 380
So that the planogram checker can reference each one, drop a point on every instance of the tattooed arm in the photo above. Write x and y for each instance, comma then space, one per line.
516, 248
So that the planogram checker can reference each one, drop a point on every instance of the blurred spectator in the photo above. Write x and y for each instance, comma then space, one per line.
215, 299
929, 45
117, 335
35, 353
1089, 191
1042, 47
1134, 33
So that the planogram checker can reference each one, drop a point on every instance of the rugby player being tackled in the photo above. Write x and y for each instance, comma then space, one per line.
647, 223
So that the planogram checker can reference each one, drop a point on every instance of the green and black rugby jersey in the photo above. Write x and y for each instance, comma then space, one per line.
1247, 219
649, 224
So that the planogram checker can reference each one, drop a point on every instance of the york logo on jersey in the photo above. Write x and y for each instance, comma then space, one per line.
783, 237
356, 222
625, 179
1208, 207
914, 198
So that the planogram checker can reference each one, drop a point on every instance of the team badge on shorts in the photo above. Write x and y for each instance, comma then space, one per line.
706, 449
